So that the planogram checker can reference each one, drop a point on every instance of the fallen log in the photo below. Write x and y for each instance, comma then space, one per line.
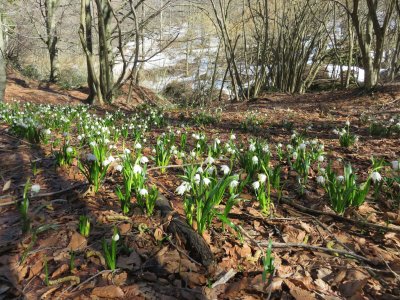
197, 247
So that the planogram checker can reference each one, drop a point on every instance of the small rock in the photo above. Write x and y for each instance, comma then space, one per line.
108, 292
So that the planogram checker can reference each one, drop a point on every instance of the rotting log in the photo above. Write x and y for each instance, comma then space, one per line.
197, 247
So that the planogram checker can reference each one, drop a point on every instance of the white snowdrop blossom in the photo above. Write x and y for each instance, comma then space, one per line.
196, 178
322, 170
138, 146
206, 181
209, 160
180, 190
289, 147
254, 159
211, 170
92, 143
47, 131
143, 192
217, 141
252, 147
127, 151
395, 165
340, 178
200, 170
335, 131
118, 168
35, 188
144, 160
321, 158
225, 169
320, 179
302, 146
115, 237
262, 178
347, 123
265, 148
233, 184
233, 137
69, 150
137, 169
294, 155
279, 145
376, 177
256, 185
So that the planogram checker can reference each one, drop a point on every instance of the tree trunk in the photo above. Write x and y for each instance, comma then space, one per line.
3, 77
105, 49
89, 41
52, 39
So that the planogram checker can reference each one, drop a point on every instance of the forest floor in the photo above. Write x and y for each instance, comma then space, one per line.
154, 264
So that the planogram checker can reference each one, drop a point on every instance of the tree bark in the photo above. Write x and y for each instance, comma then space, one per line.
89, 42
3, 77
52, 38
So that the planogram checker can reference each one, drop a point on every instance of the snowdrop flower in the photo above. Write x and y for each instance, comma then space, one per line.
335, 131
143, 192
233, 184
320, 179
206, 181
200, 170
144, 160
137, 169
47, 131
209, 160
256, 185
252, 147
180, 190
211, 170
279, 145
265, 148
111, 159
225, 169
127, 151
69, 150
294, 155
289, 147
35, 188
254, 159
138, 146
321, 158
322, 170
340, 178
395, 165
115, 237
197, 178
376, 177
91, 157
347, 123
302, 146
92, 143
193, 154
118, 168
262, 178
217, 141
105, 163
293, 136
233, 137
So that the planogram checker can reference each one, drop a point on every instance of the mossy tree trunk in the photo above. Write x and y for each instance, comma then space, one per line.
3, 63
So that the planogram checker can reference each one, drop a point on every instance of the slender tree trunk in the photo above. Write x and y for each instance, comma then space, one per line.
3, 77
52, 38
89, 42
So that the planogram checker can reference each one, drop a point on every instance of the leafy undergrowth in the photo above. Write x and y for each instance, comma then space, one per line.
261, 184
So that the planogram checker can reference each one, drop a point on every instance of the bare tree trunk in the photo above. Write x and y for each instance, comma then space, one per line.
52, 38
89, 43
83, 31
3, 77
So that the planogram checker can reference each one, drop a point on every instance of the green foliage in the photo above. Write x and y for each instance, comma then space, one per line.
84, 226
343, 191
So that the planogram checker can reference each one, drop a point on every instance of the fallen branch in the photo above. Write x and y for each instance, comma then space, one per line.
339, 218
45, 194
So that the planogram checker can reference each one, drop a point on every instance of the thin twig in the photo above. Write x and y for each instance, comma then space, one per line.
45, 194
